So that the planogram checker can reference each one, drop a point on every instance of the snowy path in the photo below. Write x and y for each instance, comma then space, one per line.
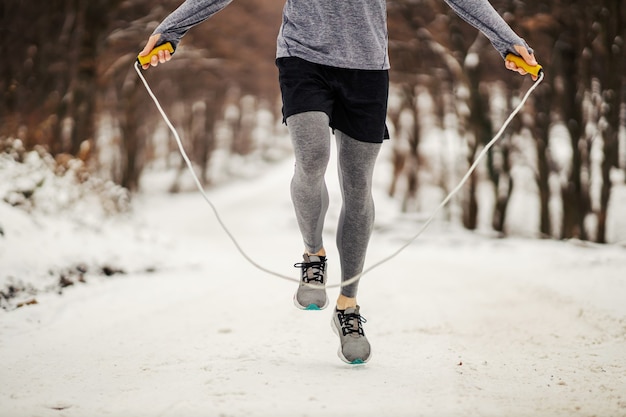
461, 325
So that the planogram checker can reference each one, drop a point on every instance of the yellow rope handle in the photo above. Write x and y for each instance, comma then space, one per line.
144, 60
519, 61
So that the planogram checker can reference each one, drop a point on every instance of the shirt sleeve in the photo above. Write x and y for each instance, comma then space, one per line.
482, 15
186, 16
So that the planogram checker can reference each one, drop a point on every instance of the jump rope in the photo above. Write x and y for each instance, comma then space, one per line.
534, 70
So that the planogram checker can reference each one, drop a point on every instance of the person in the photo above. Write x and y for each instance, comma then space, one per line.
333, 63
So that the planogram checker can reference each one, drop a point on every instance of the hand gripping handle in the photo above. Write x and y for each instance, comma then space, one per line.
519, 61
144, 60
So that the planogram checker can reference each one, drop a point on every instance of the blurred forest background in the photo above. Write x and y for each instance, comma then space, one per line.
68, 88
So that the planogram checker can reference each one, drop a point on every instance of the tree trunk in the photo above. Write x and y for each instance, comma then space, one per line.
611, 78
575, 193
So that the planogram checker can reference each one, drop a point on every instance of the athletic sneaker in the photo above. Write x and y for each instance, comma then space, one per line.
347, 324
311, 294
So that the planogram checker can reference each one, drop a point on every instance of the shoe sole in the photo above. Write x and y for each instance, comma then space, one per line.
357, 361
310, 307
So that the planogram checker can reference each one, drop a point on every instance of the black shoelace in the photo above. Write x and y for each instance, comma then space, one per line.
312, 271
351, 323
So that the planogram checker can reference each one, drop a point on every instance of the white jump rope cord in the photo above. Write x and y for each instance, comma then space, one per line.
471, 169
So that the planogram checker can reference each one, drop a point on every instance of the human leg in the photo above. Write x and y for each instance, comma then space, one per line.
355, 163
311, 142
310, 136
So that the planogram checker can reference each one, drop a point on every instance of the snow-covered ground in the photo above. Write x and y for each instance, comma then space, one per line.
461, 324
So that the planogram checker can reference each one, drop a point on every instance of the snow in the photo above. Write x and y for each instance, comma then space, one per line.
460, 323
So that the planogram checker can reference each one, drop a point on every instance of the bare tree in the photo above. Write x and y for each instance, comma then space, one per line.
610, 50
48, 80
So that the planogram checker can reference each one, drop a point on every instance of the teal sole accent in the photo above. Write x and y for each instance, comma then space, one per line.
312, 307
357, 362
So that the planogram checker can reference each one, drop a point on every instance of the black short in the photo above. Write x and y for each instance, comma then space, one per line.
354, 100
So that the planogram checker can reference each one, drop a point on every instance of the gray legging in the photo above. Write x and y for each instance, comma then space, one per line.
355, 162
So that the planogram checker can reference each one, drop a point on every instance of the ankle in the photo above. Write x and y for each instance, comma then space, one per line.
344, 302
321, 252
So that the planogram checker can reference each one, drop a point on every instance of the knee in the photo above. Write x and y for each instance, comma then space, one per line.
310, 136
310, 168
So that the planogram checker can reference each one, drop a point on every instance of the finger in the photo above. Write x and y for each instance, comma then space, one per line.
512, 66
164, 56
528, 57
152, 41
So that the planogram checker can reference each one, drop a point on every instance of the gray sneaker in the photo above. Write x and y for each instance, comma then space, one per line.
347, 324
311, 294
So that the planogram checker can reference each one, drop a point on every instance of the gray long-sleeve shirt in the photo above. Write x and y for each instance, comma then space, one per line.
344, 34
